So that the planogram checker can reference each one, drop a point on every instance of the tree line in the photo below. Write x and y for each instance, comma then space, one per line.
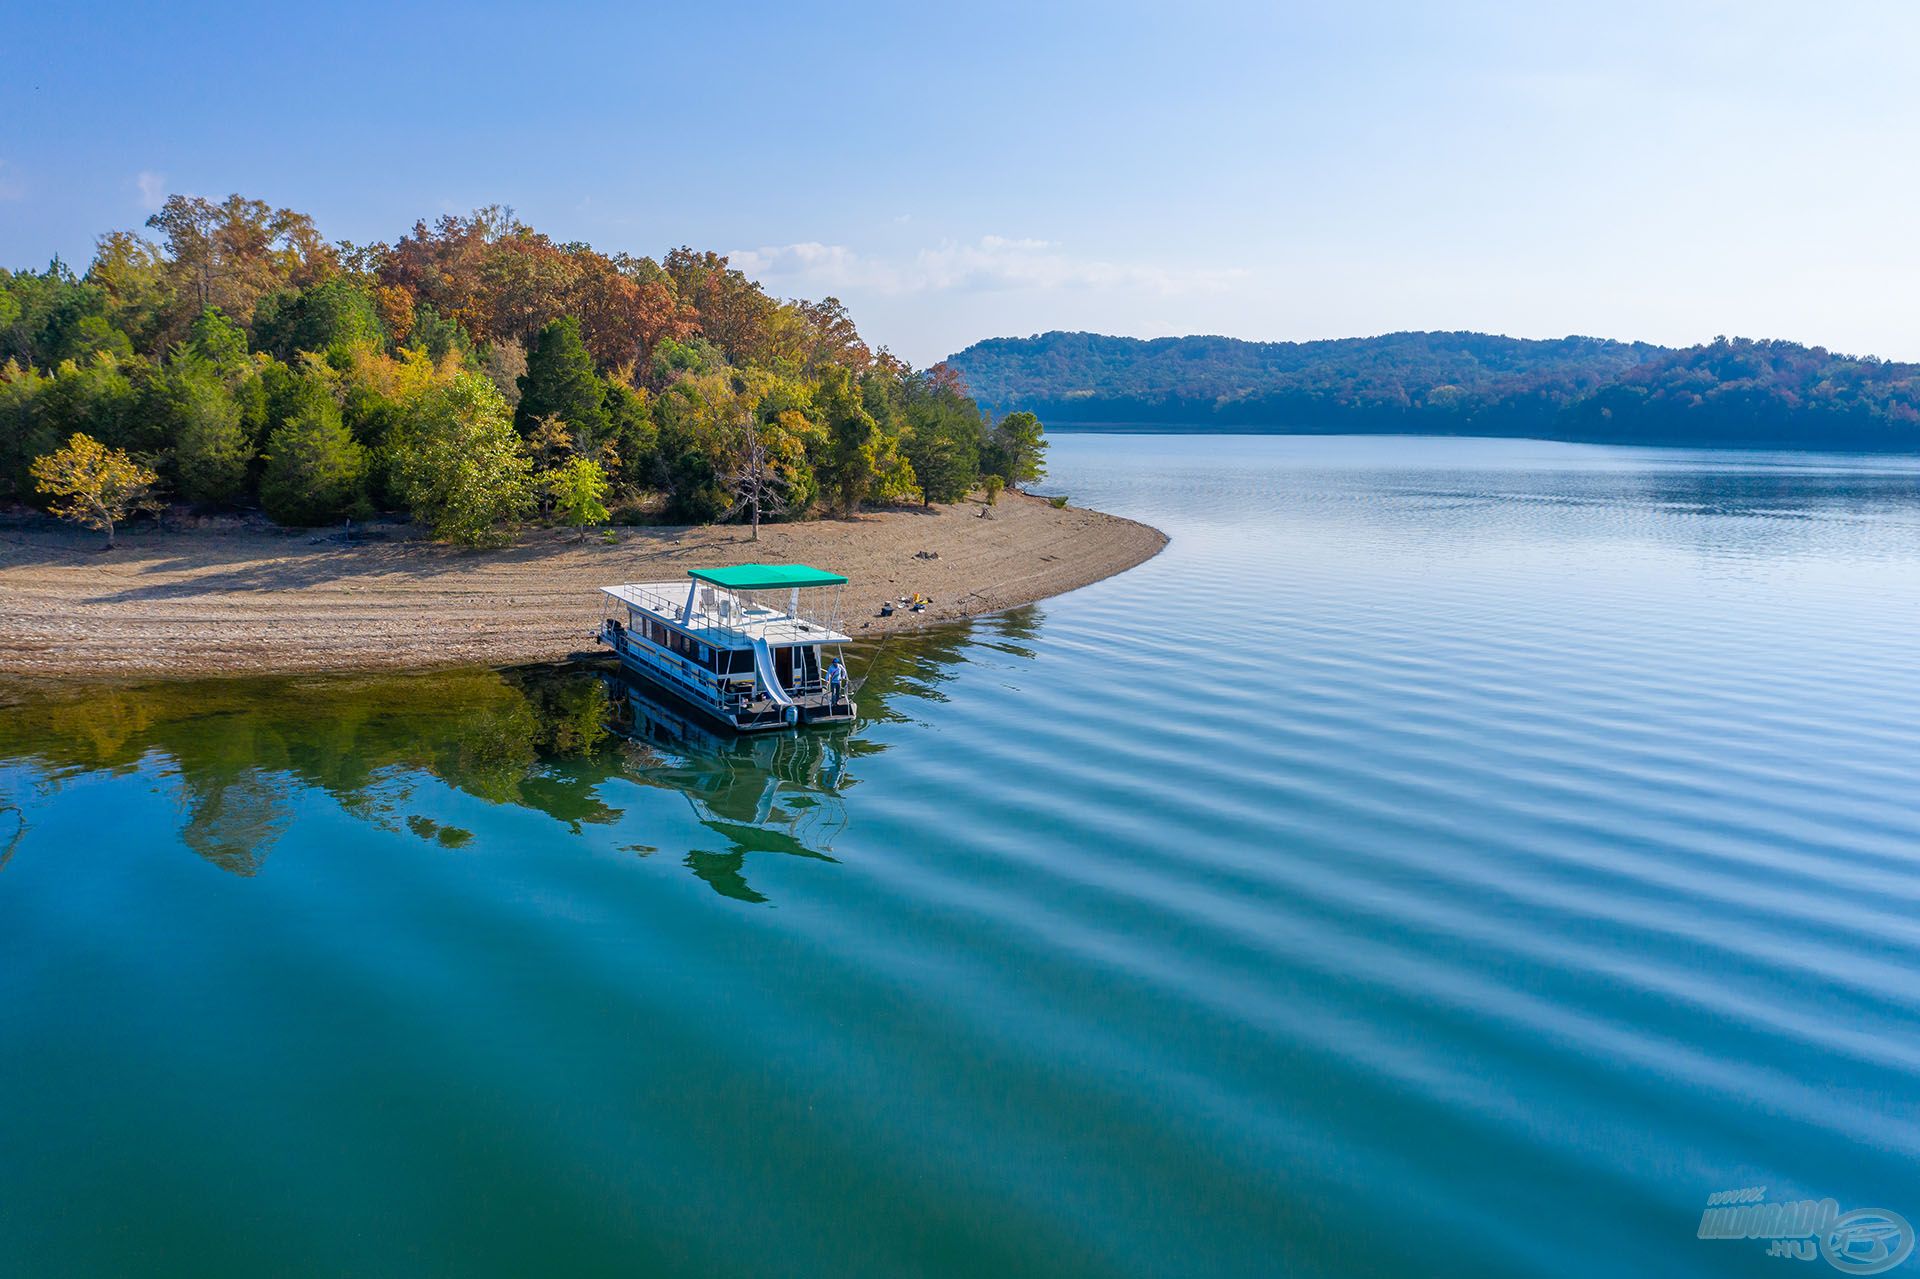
1731, 392
473, 374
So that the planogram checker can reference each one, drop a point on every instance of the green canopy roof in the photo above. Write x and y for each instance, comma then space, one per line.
766, 577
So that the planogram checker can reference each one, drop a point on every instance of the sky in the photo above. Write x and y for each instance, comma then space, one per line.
1664, 172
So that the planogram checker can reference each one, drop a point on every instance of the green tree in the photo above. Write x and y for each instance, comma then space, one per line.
106, 398
439, 337
847, 465
940, 466
695, 416
635, 441
24, 433
211, 447
560, 382
91, 484
578, 489
133, 275
696, 491
220, 342
790, 437
49, 316
1019, 449
942, 441
893, 477
457, 463
316, 472
332, 318
671, 358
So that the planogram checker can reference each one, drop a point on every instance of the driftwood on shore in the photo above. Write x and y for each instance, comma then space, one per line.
215, 601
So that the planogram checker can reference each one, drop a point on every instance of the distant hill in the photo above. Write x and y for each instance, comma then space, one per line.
1729, 393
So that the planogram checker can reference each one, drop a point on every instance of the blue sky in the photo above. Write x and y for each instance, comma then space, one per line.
1657, 171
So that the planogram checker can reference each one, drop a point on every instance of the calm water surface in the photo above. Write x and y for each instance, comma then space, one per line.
1449, 857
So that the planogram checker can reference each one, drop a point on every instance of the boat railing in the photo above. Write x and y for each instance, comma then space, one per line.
724, 614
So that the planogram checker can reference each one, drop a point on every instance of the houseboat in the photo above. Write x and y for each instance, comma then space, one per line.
722, 643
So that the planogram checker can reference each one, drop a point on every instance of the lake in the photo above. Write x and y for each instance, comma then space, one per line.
1449, 857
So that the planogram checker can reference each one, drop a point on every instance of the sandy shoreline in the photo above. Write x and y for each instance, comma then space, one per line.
240, 601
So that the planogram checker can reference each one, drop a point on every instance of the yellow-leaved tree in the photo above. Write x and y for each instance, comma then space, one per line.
91, 484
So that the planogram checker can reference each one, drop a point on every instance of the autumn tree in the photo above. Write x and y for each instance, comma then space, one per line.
549, 444
831, 336
732, 311
252, 360
232, 254
525, 280
439, 265
92, 485
505, 363
394, 306
626, 307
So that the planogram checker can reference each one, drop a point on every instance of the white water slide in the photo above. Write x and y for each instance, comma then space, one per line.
764, 672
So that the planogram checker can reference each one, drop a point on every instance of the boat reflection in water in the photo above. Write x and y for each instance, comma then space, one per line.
245, 761
762, 794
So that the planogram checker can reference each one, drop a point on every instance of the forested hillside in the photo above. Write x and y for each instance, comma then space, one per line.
473, 373
1737, 392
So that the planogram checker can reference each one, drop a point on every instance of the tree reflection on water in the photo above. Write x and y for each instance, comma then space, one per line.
547, 739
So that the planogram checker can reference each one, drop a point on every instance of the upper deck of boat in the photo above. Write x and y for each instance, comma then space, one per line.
720, 618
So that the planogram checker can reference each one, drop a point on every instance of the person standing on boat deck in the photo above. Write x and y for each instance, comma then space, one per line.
836, 679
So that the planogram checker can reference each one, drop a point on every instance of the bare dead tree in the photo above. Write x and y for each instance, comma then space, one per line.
754, 481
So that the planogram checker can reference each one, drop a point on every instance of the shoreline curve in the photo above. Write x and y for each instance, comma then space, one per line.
255, 601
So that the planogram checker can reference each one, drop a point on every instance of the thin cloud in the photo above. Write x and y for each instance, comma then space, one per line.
991, 263
9, 190
153, 189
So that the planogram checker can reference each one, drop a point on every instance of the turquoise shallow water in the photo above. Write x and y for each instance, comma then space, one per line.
1448, 857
